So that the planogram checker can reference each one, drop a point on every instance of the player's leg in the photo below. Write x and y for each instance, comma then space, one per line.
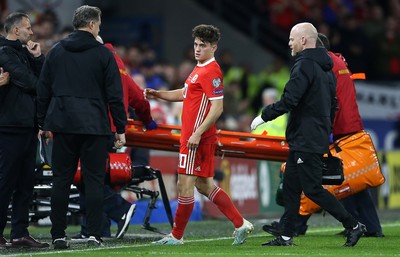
185, 204
188, 161
220, 198
183, 212
206, 186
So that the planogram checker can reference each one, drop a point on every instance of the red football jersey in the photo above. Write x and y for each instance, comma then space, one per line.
203, 85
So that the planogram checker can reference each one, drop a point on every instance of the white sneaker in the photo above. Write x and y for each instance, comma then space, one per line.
168, 240
94, 242
124, 222
241, 233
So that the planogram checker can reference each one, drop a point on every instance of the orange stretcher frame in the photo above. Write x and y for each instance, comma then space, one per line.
230, 143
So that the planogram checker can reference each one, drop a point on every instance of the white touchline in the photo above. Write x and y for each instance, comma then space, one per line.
311, 231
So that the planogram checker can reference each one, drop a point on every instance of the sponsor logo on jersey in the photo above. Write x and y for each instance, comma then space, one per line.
195, 77
217, 92
216, 82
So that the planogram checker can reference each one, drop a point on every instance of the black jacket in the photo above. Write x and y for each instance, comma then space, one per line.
310, 97
17, 99
79, 82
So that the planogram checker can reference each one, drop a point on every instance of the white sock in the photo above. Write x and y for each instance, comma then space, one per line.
285, 238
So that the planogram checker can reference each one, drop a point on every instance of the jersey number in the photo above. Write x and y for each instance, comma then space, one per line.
182, 160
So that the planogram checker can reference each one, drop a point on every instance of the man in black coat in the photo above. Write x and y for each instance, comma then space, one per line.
310, 97
79, 82
22, 59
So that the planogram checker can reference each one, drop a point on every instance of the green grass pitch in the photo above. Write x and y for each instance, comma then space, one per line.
213, 238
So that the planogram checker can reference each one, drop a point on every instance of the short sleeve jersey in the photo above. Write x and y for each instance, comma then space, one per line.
203, 85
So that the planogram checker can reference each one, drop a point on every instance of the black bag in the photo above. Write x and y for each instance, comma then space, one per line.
332, 172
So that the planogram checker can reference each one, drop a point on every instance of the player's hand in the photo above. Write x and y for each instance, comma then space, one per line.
46, 135
193, 141
150, 93
256, 122
34, 48
4, 77
120, 141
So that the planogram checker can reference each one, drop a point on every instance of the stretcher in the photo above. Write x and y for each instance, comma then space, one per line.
229, 143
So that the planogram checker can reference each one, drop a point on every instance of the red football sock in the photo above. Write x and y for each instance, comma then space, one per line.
225, 205
182, 215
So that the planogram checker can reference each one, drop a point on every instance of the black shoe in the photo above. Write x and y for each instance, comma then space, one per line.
60, 243
279, 241
27, 242
94, 241
355, 234
374, 234
123, 224
274, 229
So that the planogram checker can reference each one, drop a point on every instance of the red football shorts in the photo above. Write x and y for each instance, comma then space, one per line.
198, 162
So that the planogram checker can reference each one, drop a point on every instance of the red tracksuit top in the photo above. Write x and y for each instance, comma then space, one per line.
347, 119
132, 93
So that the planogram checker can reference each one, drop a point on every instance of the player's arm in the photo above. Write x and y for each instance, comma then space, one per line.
137, 101
216, 109
171, 95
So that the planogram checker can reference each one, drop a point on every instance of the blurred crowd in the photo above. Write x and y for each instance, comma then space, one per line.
366, 32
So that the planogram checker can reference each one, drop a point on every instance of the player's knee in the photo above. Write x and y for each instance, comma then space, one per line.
185, 190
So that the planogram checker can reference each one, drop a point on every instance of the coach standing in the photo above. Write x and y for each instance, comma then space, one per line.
22, 59
79, 82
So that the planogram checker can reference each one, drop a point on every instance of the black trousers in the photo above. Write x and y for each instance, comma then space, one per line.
91, 151
115, 206
304, 173
17, 173
362, 207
